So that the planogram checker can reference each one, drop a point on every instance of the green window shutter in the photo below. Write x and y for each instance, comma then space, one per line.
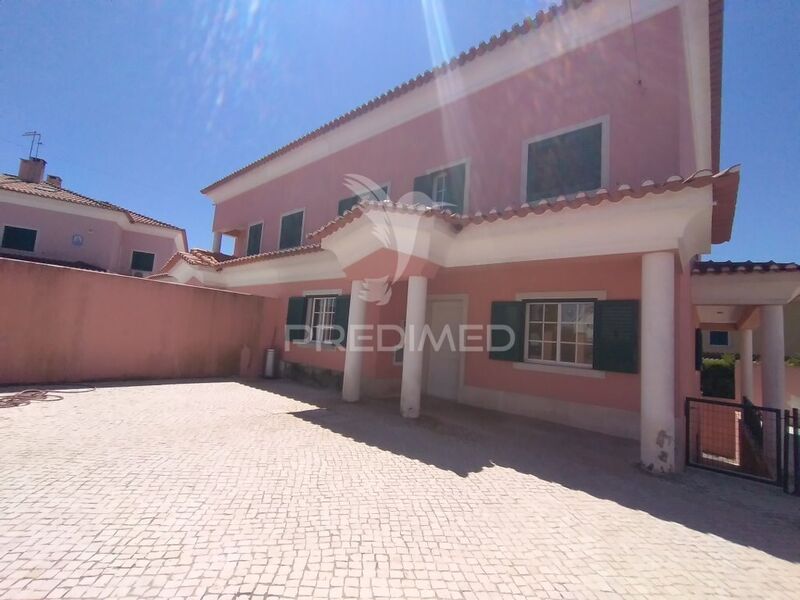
616, 336
254, 239
291, 231
456, 184
296, 315
424, 185
341, 315
347, 204
565, 164
698, 349
511, 314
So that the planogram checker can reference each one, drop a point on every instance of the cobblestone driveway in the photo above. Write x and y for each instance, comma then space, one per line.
219, 489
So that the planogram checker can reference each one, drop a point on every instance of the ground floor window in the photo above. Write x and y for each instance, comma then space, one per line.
321, 311
19, 238
560, 332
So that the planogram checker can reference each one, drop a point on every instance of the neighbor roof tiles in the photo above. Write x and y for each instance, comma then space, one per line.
45, 190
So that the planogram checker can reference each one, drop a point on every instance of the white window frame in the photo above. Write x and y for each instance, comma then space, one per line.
467, 164
26, 252
559, 302
130, 266
327, 306
247, 238
302, 227
604, 121
439, 189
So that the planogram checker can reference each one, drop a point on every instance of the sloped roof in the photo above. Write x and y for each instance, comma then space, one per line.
75, 264
13, 183
712, 267
530, 24
217, 261
728, 179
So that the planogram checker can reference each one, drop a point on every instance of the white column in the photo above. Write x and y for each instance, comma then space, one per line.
658, 362
773, 370
411, 388
353, 358
217, 242
746, 362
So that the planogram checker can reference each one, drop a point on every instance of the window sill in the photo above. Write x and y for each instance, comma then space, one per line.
320, 345
560, 370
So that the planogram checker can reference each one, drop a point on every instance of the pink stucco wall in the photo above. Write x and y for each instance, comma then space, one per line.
63, 325
105, 244
619, 277
648, 132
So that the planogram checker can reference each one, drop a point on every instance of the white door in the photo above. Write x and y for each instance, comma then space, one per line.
444, 365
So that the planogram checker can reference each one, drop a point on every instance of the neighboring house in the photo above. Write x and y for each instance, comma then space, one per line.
44, 222
551, 156
725, 341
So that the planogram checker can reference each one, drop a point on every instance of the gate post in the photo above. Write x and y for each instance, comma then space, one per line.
796, 452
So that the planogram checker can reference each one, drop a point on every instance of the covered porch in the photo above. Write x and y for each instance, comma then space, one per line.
744, 297
632, 248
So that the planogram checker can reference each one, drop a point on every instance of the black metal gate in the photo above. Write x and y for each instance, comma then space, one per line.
791, 451
740, 439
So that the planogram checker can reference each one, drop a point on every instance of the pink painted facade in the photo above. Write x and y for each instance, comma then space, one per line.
628, 246
74, 229
648, 135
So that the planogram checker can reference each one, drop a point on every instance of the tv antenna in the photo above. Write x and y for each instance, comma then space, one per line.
36, 141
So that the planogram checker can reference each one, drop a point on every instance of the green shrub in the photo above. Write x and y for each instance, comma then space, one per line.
793, 360
717, 377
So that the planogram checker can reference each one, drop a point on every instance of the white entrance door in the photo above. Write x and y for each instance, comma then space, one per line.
444, 365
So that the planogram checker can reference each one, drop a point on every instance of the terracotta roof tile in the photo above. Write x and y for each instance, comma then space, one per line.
77, 264
217, 261
729, 176
711, 267
45, 190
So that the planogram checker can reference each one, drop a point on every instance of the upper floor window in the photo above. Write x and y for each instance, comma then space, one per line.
560, 332
254, 238
19, 238
445, 187
718, 338
564, 164
440, 189
142, 261
348, 203
291, 230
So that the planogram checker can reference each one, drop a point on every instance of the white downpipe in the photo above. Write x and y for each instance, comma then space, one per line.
746, 362
411, 387
773, 369
658, 362
353, 358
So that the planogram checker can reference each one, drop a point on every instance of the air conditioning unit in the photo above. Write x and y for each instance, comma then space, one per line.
140, 273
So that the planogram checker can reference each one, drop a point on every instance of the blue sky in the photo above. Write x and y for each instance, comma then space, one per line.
143, 103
